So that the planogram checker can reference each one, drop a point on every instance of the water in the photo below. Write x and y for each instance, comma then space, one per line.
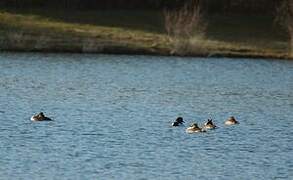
113, 114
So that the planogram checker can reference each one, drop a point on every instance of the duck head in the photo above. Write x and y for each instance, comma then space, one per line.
194, 125
231, 120
179, 120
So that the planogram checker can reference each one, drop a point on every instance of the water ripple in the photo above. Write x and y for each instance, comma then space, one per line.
112, 117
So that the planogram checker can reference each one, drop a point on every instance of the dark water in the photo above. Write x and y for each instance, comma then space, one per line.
113, 114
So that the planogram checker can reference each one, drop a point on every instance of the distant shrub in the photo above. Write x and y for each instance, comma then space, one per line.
182, 24
285, 18
184, 21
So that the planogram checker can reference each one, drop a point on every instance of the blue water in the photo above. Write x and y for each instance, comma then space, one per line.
112, 117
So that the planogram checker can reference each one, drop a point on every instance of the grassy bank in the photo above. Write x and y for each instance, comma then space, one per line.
136, 32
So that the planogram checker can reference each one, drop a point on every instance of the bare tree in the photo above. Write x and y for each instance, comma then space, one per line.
184, 21
181, 24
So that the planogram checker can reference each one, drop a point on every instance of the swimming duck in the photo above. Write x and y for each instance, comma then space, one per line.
179, 121
231, 121
194, 129
40, 117
209, 124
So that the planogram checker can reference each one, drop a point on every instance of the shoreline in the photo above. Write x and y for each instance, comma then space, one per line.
148, 53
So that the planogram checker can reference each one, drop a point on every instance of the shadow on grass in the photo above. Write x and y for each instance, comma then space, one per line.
244, 28
148, 21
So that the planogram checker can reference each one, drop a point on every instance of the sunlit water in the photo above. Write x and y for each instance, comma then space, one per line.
112, 117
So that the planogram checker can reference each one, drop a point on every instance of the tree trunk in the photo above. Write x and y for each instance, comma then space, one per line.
290, 24
291, 40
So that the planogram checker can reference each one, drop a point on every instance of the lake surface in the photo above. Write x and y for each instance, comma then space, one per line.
112, 117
